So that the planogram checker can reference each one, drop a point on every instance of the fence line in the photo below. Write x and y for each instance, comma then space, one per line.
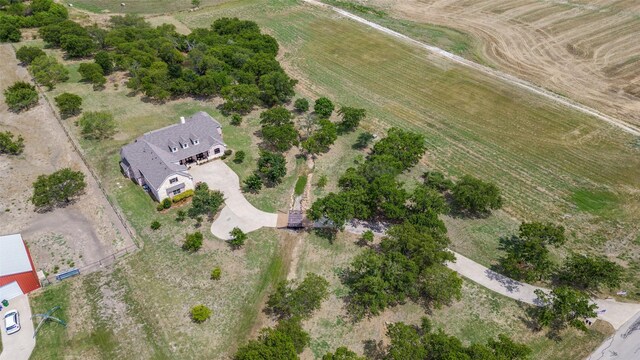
105, 261
77, 149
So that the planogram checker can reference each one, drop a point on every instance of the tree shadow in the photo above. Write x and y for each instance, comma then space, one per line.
373, 350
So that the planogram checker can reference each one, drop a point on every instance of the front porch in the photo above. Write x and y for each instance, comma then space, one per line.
203, 156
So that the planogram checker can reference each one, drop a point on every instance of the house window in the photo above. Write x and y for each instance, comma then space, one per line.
173, 181
216, 151
176, 192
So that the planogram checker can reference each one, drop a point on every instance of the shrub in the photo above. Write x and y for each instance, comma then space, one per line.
200, 313
182, 196
105, 60
93, 73
97, 125
236, 119
27, 54
193, 242
253, 183
205, 201
322, 181
21, 96
228, 152
238, 237
216, 273
160, 207
10, 146
9, 31
301, 105
68, 104
367, 236
155, 225
240, 155
181, 216
272, 167
166, 203
476, 196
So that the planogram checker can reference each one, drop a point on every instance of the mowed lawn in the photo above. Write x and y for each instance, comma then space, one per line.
539, 153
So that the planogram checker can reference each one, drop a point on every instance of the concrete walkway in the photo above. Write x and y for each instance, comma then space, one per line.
237, 212
18, 346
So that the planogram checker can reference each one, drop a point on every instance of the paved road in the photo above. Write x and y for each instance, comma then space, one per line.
489, 71
623, 345
18, 346
237, 210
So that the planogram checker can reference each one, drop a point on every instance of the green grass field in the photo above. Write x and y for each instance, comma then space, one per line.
139, 6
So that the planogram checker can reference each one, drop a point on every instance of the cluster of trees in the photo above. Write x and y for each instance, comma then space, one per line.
272, 167
20, 96
409, 264
562, 307
46, 70
371, 190
16, 14
290, 304
413, 342
10, 146
58, 188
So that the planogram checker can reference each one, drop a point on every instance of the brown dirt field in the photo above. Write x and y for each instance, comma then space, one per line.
79, 234
584, 49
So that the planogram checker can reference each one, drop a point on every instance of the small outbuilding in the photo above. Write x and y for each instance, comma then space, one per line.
17, 273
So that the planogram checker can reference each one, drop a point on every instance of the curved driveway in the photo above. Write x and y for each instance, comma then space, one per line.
237, 212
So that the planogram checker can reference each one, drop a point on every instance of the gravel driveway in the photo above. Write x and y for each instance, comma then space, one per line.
237, 212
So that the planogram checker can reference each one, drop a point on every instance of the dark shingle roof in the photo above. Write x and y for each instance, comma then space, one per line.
151, 156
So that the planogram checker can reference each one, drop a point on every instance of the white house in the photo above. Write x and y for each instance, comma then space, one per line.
160, 159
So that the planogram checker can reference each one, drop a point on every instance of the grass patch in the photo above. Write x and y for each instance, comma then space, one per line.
52, 336
300, 185
599, 203
347, 5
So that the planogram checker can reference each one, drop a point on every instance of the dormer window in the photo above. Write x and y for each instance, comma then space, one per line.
196, 142
185, 145
174, 149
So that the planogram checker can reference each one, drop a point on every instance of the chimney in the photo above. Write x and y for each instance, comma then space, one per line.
181, 119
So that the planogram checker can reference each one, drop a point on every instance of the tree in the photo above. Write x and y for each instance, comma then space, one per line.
277, 128
425, 199
27, 54
589, 273
301, 105
298, 302
293, 329
276, 87
363, 140
9, 30
253, 183
272, 344
21, 96
272, 167
342, 353
563, 307
105, 60
92, 73
192, 242
323, 107
321, 140
58, 188
77, 46
238, 237
240, 98
200, 313
476, 196
97, 125
334, 209
216, 273
351, 118
10, 146
205, 201
527, 256
322, 181
239, 157
68, 104
47, 71
406, 147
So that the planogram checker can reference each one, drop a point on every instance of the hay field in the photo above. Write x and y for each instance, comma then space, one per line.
551, 162
584, 49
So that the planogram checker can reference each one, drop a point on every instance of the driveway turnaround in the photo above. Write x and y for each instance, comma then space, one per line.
237, 212
18, 346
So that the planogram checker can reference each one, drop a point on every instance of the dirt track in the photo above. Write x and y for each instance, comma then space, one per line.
76, 235
586, 50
